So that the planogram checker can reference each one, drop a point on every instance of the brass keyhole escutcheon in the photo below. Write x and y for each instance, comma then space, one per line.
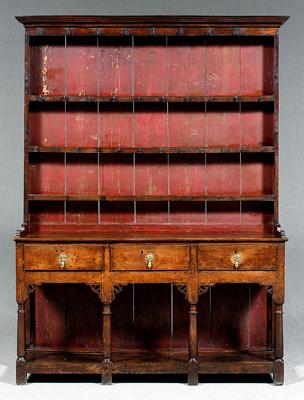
62, 260
149, 260
236, 259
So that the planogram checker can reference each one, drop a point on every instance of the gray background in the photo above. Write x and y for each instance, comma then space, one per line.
291, 143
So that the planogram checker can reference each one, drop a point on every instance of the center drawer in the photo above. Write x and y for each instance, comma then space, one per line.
238, 256
150, 257
61, 257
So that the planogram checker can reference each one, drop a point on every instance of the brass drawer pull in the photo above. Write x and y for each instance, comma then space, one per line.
62, 260
149, 260
236, 259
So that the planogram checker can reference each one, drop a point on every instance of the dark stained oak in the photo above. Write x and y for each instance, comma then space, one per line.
153, 150
153, 99
55, 197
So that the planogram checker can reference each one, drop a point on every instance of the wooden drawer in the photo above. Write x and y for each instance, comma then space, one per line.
233, 257
63, 257
133, 257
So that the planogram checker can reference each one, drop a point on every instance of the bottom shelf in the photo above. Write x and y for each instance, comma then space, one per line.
258, 362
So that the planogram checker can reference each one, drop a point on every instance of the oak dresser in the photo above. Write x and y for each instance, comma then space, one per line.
151, 241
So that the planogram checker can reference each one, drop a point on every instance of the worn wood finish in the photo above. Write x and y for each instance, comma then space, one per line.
21, 362
83, 257
152, 99
134, 257
167, 150
251, 257
150, 241
193, 366
258, 362
107, 352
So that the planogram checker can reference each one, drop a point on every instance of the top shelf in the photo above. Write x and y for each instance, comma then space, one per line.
153, 99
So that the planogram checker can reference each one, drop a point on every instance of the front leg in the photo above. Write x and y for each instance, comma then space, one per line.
193, 367
21, 372
107, 346
278, 370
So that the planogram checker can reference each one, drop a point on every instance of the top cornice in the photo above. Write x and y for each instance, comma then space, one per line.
155, 20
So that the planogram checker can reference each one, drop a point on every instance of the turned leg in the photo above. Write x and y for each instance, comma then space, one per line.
21, 374
278, 372
107, 346
193, 346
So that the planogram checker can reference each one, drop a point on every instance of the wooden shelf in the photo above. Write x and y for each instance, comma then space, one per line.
151, 362
76, 197
65, 363
153, 99
150, 150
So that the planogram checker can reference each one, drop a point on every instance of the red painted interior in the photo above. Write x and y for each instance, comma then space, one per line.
186, 124
81, 125
223, 125
46, 124
151, 175
223, 71
151, 66
187, 174
150, 125
81, 81
117, 53
67, 316
223, 174
257, 124
47, 65
185, 66
116, 174
117, 212
116, 124
46, 174
77, 212
141, 318
82, 174
256, 65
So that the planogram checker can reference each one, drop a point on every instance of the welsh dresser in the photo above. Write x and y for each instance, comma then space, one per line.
151, 241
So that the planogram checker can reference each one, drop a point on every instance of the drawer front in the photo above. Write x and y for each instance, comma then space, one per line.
150, 257
234, 257
63, 257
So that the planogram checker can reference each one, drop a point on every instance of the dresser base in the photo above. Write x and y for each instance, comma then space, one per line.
226, 362
223, 293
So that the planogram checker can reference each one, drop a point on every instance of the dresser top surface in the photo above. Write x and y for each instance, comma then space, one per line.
150, 237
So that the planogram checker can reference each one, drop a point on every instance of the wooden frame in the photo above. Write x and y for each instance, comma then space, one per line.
151, 172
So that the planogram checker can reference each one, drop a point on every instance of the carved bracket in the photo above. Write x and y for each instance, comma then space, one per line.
276, 293
95, 289
22, 231
269, 289
30, 289
280, 230
204, 289
117, 288
182, 289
